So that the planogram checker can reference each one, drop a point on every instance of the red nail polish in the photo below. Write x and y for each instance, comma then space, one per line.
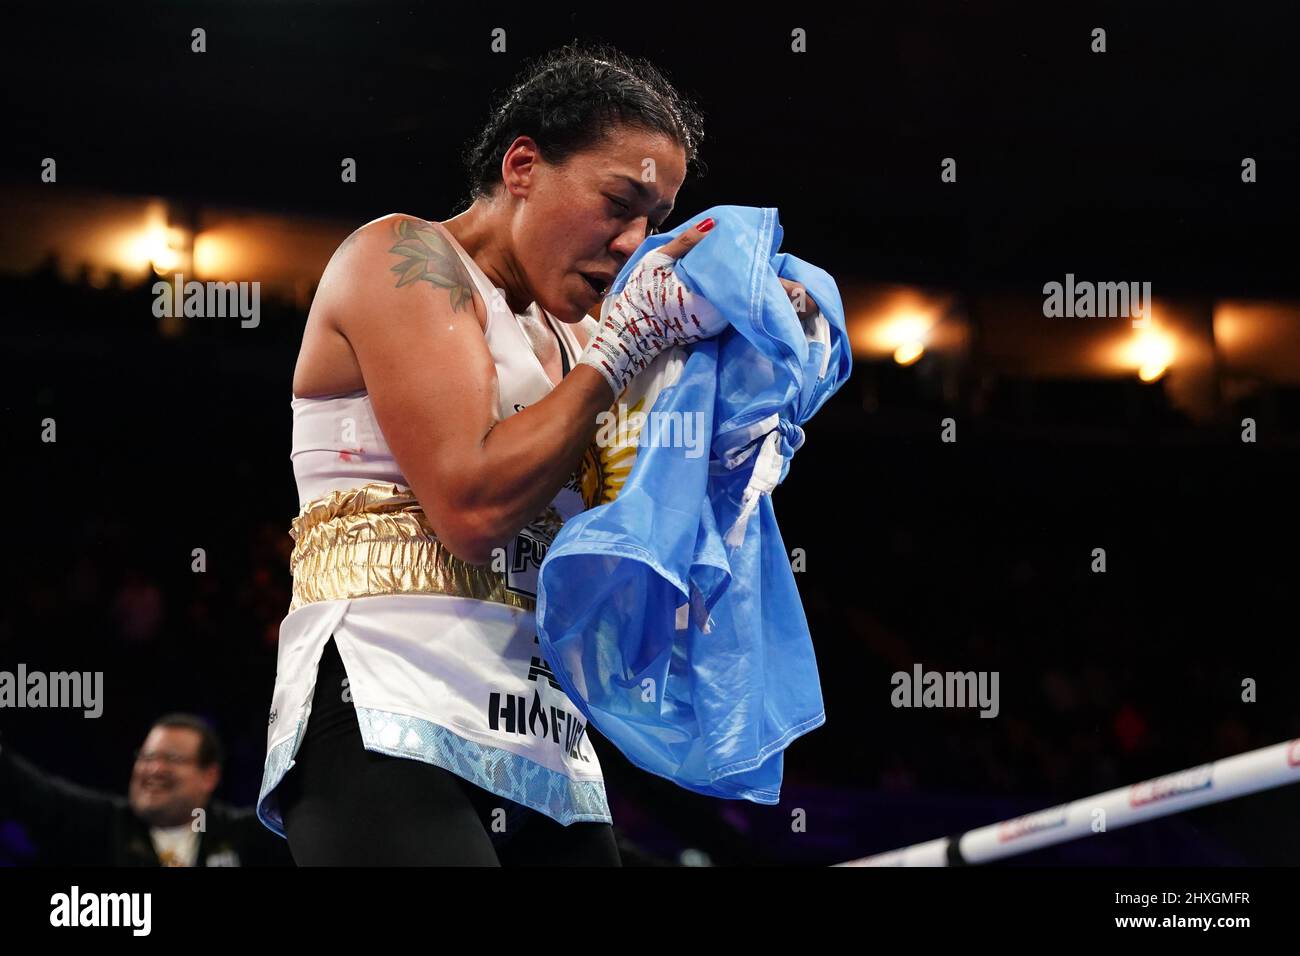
706, 225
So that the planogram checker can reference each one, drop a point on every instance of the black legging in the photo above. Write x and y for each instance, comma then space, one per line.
344, 805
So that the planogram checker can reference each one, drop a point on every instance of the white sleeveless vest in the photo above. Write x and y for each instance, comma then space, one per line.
442, 657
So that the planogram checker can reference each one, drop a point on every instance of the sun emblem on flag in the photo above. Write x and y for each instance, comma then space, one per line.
606, 466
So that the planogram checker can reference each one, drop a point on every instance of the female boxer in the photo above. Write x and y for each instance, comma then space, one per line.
446, 392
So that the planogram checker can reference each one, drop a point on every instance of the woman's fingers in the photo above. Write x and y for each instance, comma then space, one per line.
799, 298
688, 240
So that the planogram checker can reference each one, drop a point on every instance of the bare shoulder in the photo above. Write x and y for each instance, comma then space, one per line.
398, 252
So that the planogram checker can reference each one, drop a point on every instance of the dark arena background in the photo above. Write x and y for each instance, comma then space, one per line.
1102, 514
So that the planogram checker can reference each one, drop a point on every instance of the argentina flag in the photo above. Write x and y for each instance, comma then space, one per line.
668, 610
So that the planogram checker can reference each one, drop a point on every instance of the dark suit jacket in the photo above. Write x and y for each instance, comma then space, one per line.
75, 825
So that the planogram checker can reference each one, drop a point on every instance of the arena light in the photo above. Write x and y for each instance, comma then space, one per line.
1152, 351
1259, 339
211, 255
150, 249
905, 329
156, 245
908, 352
1149, 352
898, 321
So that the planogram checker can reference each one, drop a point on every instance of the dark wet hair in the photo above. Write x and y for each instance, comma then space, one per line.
210, 751
569, 99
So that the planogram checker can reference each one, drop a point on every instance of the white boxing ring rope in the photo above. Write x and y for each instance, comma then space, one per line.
1236, 776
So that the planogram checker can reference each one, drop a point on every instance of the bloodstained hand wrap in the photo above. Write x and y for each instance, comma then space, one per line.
655, 311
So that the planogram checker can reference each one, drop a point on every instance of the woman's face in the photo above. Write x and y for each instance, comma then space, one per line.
587, 217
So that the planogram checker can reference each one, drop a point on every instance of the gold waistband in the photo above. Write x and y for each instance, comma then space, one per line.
375, 539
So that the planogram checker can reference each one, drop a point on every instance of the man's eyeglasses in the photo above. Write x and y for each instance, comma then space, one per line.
172, 760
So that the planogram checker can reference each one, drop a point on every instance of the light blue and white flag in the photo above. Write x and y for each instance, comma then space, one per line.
668, 611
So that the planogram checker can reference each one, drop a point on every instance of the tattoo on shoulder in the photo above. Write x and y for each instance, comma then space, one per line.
426, 254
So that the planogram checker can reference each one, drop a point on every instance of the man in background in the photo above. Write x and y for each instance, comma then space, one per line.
167, 819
